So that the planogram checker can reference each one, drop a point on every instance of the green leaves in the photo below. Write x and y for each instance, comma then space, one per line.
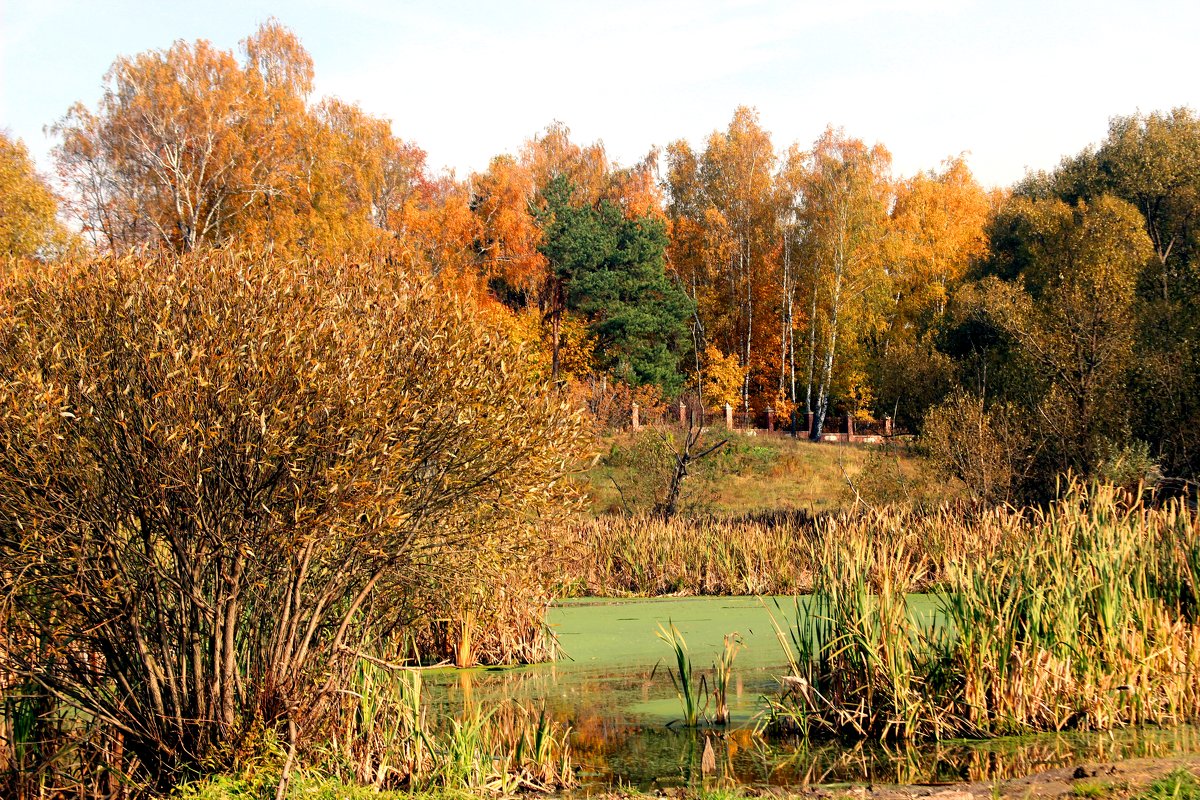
613, 269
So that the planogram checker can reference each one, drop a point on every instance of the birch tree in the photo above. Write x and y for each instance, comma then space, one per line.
846, 193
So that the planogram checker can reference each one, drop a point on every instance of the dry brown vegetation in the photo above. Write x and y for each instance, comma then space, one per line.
223, 479
1080, 616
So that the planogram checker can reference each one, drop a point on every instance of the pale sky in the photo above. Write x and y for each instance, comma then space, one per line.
1015, 84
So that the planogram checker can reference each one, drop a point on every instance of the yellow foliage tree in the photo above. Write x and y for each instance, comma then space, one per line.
724, 377
28, 222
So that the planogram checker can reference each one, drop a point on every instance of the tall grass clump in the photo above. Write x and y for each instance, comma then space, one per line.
650, 556
859, 665
1083, 616
386, 738
691, 689
1087, 621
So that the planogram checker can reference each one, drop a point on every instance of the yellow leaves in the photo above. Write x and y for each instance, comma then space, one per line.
27, 206
937, 228
723, 378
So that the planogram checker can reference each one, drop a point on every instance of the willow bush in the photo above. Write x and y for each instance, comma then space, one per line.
225, 479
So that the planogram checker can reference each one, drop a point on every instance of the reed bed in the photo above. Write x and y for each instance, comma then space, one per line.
764, 554
1082, 616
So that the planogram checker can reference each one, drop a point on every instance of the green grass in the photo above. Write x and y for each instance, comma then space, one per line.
1177, 785
689, 688
750, 474
1092, 789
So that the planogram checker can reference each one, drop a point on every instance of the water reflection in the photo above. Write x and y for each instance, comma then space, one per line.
657, 757
619, 714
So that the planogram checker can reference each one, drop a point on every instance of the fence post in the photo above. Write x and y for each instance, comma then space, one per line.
887, 426
728, 417
808, 422
849, 426
682, 413
633, 416
770, 420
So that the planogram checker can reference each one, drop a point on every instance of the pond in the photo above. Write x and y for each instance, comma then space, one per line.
612, 688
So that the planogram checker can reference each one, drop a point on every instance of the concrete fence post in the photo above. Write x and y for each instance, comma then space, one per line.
682, 413
728, 417
770, 420
849, 425
808, 423
887, 426
633, 417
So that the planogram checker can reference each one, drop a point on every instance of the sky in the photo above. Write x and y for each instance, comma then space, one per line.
1012, 84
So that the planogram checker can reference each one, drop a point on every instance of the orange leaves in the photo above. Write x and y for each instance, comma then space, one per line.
189, 148
510, 235
724, 214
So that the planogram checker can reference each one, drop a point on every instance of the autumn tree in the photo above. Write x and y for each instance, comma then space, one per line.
28, 211
529, 209
1078, 323
612, 269
936, 232
726, 245
165, 157
846, 194
1152, 161
191, 147
1052, 328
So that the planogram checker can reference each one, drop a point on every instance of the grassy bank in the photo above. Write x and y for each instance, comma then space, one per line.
755, 474
749, 514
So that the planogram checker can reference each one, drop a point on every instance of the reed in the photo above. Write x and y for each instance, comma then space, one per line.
764, 554
386, 740
722, 672
689, 688
1080, 616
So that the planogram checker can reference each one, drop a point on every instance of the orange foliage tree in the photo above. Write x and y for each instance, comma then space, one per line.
726, 244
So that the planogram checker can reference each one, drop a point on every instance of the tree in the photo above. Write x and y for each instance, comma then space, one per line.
190, 148
1066, 312
1152, 161
166, 158
726, 244
846, 194
612, 270
936, 232
28, 210
937, 229
222, 479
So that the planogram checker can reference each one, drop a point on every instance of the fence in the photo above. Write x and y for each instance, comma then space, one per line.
836, 428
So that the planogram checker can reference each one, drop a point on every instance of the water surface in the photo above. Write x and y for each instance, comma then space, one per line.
611, 687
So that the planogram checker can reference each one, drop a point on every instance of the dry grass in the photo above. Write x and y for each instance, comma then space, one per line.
1083, 616
762, 554
754, 474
